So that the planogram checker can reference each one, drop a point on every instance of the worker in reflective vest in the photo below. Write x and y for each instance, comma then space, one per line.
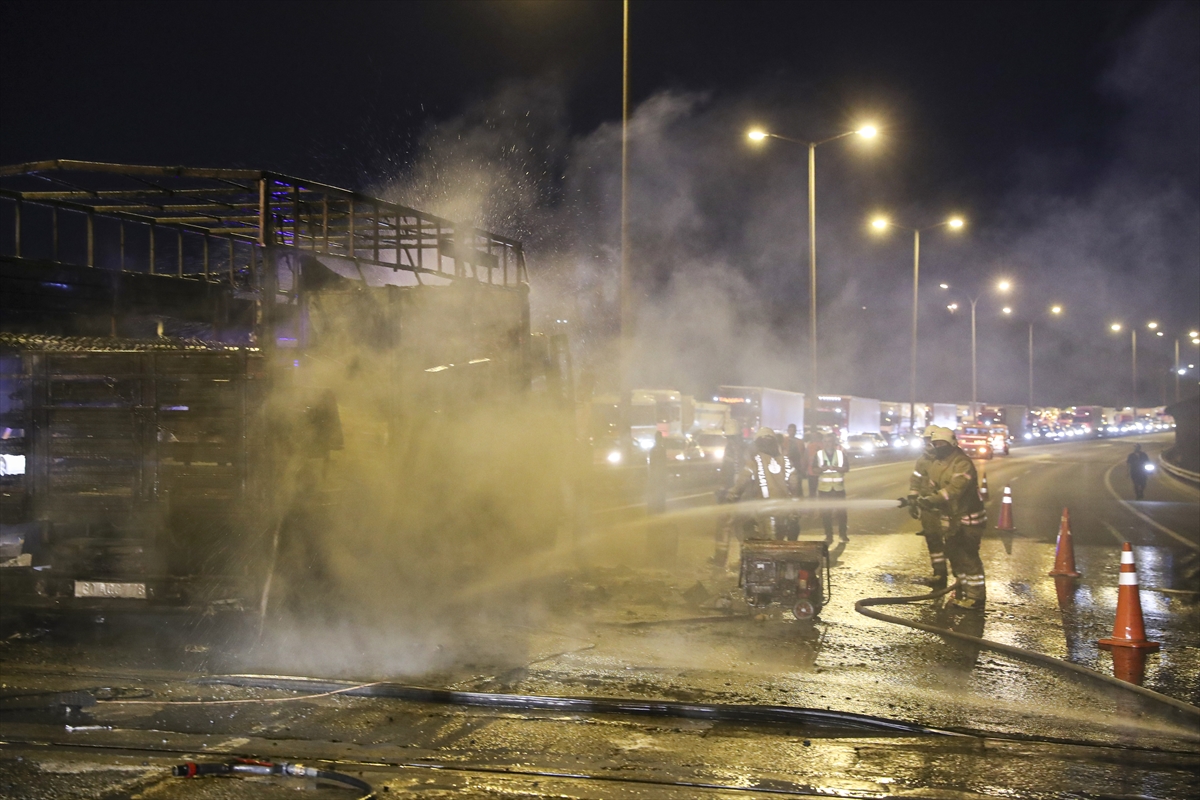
919, 484
830, 466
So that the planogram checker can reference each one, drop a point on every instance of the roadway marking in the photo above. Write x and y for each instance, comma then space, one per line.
1116, 533
1129, 506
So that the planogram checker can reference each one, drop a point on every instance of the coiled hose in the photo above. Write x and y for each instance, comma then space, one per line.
1027, 655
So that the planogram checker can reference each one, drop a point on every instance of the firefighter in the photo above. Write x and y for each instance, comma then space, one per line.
954, 496
931, 522
830, 466
768, 474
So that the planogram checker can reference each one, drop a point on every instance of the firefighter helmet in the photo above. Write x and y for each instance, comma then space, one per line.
764, 433
928, 432
941, 434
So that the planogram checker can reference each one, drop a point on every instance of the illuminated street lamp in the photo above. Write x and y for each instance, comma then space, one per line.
1001, 286
882, 224
1055, 310
1116, 328
758, 135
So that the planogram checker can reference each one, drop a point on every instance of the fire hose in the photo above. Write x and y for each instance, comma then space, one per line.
1027, 655
245, 766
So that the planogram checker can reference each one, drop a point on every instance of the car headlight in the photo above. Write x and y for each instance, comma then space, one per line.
719, 453
646, 444
1149, 467
614, 457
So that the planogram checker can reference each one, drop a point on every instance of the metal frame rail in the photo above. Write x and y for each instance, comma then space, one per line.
221, 219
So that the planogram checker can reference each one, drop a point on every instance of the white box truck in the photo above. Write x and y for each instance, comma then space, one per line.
758, 406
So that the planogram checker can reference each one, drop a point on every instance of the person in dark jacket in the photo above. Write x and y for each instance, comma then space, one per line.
1138, 462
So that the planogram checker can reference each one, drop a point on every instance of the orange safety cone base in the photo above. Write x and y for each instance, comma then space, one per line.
1006, 518
1144, 644
1064, 550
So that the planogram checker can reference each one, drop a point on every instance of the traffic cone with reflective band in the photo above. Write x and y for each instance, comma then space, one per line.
1064, 553
1006, 518
1129, 629
983, 492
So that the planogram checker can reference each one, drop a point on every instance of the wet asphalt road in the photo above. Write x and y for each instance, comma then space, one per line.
611, 620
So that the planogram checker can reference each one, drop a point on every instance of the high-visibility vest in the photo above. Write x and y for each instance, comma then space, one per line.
829, 481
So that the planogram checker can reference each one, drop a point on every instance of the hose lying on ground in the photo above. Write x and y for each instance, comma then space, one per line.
245, 766
601, 705
1027, 655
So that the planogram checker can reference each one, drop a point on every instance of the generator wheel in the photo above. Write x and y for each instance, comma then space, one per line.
804, 610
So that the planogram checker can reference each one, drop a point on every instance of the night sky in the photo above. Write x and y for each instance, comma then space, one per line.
1068, 134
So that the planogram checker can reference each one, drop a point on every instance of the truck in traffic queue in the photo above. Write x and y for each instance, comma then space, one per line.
845, 414
944, 415
181, 435
754, 407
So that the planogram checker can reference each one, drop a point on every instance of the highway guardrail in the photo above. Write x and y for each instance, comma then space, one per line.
1175, 469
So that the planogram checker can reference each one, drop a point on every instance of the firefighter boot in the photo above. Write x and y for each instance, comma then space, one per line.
938, 581
952, 599
974, 594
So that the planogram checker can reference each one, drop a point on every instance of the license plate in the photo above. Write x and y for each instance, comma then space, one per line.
132, 591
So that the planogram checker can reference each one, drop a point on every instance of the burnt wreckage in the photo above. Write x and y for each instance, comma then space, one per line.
162, 336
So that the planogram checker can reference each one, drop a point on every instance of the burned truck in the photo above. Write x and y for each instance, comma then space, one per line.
201, 367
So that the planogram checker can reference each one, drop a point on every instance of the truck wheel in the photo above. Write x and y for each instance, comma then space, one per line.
804, 610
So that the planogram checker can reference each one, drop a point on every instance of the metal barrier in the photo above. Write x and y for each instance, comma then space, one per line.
1176, 470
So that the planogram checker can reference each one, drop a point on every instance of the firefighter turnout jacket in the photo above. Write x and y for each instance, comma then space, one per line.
954, 491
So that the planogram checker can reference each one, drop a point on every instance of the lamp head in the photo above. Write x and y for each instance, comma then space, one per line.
955, 222
867, 131
1004, 285
879, 223
756, 135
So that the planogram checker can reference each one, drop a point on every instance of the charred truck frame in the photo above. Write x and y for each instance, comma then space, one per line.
158, 326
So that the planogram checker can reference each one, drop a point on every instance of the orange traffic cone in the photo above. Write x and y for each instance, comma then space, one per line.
983, 492
1064, 589
1064, 553
1129, 664
1129, 630
1006, 519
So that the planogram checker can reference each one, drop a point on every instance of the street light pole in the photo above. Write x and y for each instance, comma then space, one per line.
812, 265
1002, 286
974, 374
912, 367
1135, 386
1030, 365
867, 132
1176, 369
880, 224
